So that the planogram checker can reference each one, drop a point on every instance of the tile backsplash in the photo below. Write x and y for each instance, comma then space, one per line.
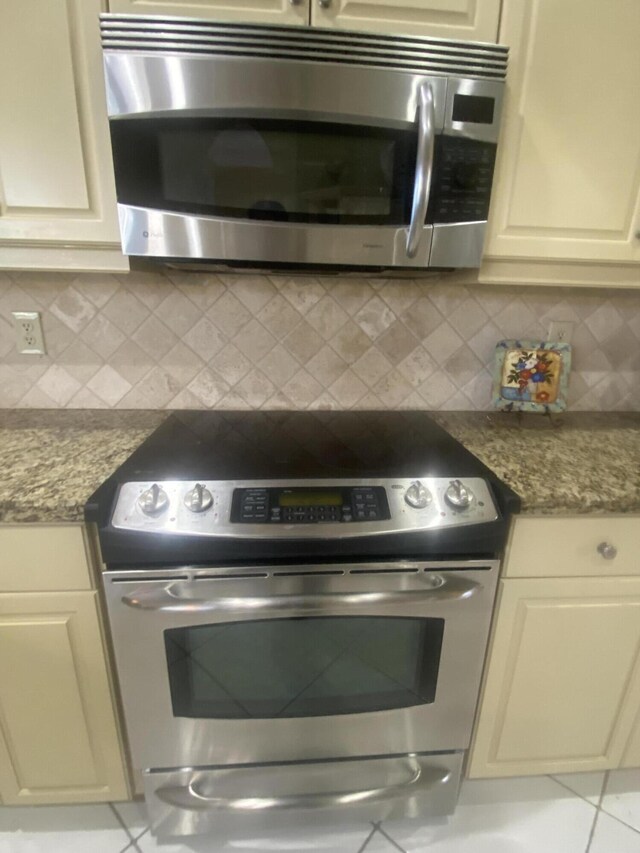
180, 339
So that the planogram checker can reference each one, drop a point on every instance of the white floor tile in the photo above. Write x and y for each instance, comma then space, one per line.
622, 796
611, 836
338, 840
54, 829
525, 815
134, 815
587, 785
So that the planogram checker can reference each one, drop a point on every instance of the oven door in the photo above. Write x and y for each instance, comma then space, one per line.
257, 161
292, 663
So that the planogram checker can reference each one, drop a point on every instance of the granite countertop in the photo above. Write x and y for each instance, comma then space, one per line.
578, 462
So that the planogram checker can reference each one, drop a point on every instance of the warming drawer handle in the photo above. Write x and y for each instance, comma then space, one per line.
188, 797
424, 166
172, 599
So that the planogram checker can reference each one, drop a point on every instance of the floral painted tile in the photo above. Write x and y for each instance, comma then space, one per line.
531, 376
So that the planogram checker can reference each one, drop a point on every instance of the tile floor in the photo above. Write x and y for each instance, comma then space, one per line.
585, 813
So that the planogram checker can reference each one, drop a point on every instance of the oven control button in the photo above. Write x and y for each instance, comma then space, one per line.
153, 501
198, 499
458, 495
417, 495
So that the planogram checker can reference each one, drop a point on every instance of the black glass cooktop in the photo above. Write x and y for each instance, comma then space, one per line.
224, 445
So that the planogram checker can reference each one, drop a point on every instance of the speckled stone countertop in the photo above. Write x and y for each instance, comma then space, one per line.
574, 463
53, 460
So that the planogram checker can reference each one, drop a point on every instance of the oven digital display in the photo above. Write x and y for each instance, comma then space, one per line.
307, 497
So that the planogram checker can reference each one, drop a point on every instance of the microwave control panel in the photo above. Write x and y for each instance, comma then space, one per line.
462, 176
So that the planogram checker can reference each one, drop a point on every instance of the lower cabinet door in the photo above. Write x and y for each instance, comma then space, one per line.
631, 756
562, 687
59, 740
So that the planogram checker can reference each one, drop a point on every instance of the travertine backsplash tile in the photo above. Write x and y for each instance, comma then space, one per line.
189, 340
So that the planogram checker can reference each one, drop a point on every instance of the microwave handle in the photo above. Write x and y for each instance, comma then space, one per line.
165, 600
424, 166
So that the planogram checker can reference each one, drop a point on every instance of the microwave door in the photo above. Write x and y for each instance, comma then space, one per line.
344, 181
271, 190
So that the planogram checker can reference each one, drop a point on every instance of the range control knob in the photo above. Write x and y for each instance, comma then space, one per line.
153, 501
198, 499
417, 495
458, 495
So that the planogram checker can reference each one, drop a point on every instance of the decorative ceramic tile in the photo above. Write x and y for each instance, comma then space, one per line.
531, 376
165, 339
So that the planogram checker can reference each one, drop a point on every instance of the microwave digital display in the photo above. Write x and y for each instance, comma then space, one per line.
473, 109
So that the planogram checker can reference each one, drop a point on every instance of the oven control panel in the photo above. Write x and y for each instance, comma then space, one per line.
317, 505
303, 509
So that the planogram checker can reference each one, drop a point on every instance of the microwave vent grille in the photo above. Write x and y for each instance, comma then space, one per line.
440, 57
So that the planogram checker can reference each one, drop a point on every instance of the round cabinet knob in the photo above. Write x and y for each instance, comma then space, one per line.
324, 4
153, 501
458, 495
198, 499
607, 551
417, 495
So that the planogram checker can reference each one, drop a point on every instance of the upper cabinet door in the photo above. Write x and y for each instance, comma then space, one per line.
476, 20
56, 173
567, 184
250, 11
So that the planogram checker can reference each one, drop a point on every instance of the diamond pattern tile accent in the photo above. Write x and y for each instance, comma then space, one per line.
177, 339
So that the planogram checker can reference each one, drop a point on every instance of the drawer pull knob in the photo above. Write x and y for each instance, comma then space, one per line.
607, 551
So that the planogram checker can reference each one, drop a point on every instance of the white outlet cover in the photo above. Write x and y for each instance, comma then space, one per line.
29, 338
561, 331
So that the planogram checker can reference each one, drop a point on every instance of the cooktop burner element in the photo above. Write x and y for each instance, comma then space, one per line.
209, 486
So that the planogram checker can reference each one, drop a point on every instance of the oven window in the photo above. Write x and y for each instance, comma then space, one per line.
303, 667
264, 169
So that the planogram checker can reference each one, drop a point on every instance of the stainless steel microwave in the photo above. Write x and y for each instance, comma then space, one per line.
282, 146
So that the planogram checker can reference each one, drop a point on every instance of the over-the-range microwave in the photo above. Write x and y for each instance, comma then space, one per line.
283, 146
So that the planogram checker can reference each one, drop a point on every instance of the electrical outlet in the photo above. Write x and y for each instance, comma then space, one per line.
29, 340
561, 331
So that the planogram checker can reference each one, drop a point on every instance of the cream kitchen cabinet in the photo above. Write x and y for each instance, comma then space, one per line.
249, 11
475, 20
566, 197
57, 194
59, 735
631, 757
562, 684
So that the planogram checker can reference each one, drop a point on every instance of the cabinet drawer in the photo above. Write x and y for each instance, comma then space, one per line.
568, 547
42, 557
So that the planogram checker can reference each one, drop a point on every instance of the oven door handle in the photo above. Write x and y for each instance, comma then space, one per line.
424, 166
188, 797
172, 599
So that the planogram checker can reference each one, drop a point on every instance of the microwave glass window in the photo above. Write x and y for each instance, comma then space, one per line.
274, 170
303, 667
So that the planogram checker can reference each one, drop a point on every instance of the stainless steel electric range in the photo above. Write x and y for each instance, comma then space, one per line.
299, 606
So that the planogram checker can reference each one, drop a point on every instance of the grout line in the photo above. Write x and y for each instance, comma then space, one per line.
593, 831
390, 839
131, 847
144, 832
369, 837
575, 793
121, 822
605, 783
619, 820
